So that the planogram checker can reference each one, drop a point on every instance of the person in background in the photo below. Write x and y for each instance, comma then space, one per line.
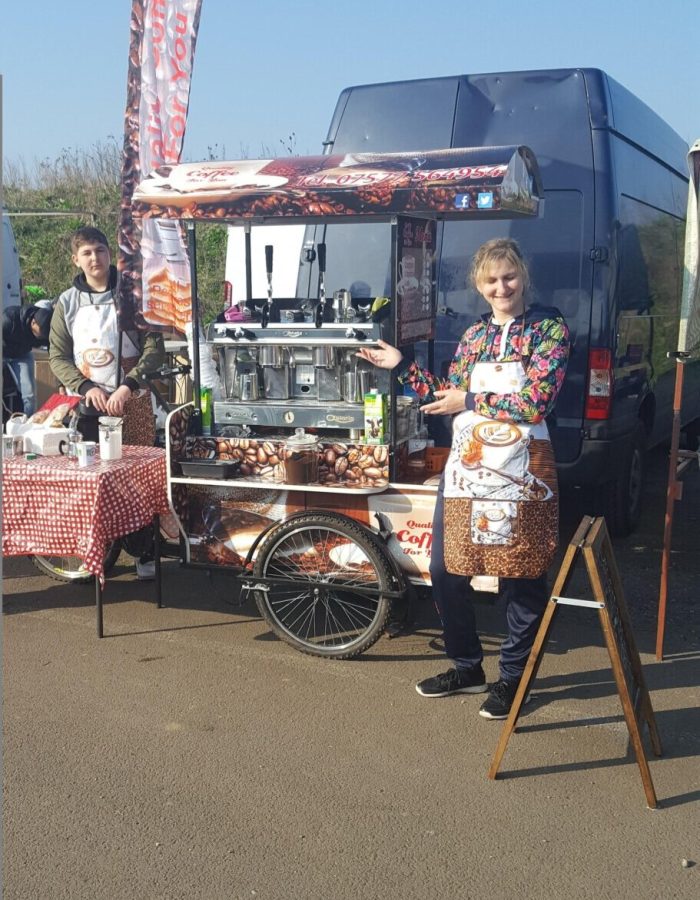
530, 347
84, 350
36, 295
24, 328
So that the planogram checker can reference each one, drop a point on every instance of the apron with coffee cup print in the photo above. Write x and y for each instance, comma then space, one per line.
501, 500
95, 333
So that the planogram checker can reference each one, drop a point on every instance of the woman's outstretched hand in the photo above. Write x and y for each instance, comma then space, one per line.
383, 356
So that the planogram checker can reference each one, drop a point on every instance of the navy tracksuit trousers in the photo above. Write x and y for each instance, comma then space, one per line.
525, 599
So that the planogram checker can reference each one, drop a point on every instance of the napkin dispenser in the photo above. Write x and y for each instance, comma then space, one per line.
44, 441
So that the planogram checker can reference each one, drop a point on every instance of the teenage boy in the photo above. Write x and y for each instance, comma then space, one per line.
84, 343
85, 351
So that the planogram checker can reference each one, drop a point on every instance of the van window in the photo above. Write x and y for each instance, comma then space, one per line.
422, 120
650, 277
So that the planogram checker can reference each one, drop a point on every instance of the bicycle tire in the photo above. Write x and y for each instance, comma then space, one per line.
326, 558
72, 568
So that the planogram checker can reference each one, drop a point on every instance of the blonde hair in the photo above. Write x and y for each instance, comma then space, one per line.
494, 251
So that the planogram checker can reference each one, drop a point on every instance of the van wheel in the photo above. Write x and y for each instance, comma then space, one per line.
621, 498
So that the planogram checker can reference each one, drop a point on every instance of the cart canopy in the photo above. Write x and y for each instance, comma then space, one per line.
467, 182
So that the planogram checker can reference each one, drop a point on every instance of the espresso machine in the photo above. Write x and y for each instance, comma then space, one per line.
301, 372
305, 376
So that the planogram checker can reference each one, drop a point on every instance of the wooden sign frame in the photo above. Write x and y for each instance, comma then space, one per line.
592, 541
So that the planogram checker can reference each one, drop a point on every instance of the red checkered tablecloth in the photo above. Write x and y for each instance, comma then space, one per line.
53, 507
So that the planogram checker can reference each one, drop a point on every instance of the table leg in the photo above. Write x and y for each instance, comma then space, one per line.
156, 548
98, 604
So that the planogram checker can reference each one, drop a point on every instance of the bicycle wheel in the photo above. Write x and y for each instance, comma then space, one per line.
335, 602
72, 568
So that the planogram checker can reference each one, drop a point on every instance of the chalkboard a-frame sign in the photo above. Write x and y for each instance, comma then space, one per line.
592, 541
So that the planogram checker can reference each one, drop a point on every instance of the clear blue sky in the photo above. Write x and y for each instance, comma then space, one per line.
267, 68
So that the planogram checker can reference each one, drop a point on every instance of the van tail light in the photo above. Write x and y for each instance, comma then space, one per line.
600, 385
228, 294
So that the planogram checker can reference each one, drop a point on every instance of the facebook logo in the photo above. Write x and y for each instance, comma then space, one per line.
462, 201
484, 200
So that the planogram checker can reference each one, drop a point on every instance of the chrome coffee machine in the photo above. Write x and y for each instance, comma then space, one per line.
305, 376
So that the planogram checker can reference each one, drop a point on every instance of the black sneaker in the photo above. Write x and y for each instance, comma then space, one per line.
454, 681
498, 703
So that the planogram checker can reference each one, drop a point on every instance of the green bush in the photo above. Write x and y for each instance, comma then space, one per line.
83, 188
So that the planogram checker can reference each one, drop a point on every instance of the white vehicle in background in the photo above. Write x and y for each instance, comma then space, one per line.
11, 277
11, 296
287, 243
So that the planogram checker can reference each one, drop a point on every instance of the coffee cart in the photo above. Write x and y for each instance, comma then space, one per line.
293, 487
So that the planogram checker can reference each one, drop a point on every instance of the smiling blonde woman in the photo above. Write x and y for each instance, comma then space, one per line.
508, 368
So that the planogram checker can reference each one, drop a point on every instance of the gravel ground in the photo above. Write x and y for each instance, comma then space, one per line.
191, 755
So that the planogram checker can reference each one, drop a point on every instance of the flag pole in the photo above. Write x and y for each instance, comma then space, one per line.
674, 491
688, 342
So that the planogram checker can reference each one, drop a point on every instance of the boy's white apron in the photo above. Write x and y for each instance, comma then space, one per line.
500, 487
95, 341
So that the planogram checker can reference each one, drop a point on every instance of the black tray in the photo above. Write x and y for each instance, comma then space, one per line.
211, 468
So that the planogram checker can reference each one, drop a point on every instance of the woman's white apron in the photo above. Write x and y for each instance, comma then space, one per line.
501, 515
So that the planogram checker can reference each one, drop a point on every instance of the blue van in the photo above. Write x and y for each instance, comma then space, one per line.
608, 251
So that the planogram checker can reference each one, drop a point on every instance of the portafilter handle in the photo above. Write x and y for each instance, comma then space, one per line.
265, 316
269, 250
321, 308
236, 333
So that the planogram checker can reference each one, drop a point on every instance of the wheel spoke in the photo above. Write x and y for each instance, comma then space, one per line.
335, 616
295, 610
356, 623
322, 558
